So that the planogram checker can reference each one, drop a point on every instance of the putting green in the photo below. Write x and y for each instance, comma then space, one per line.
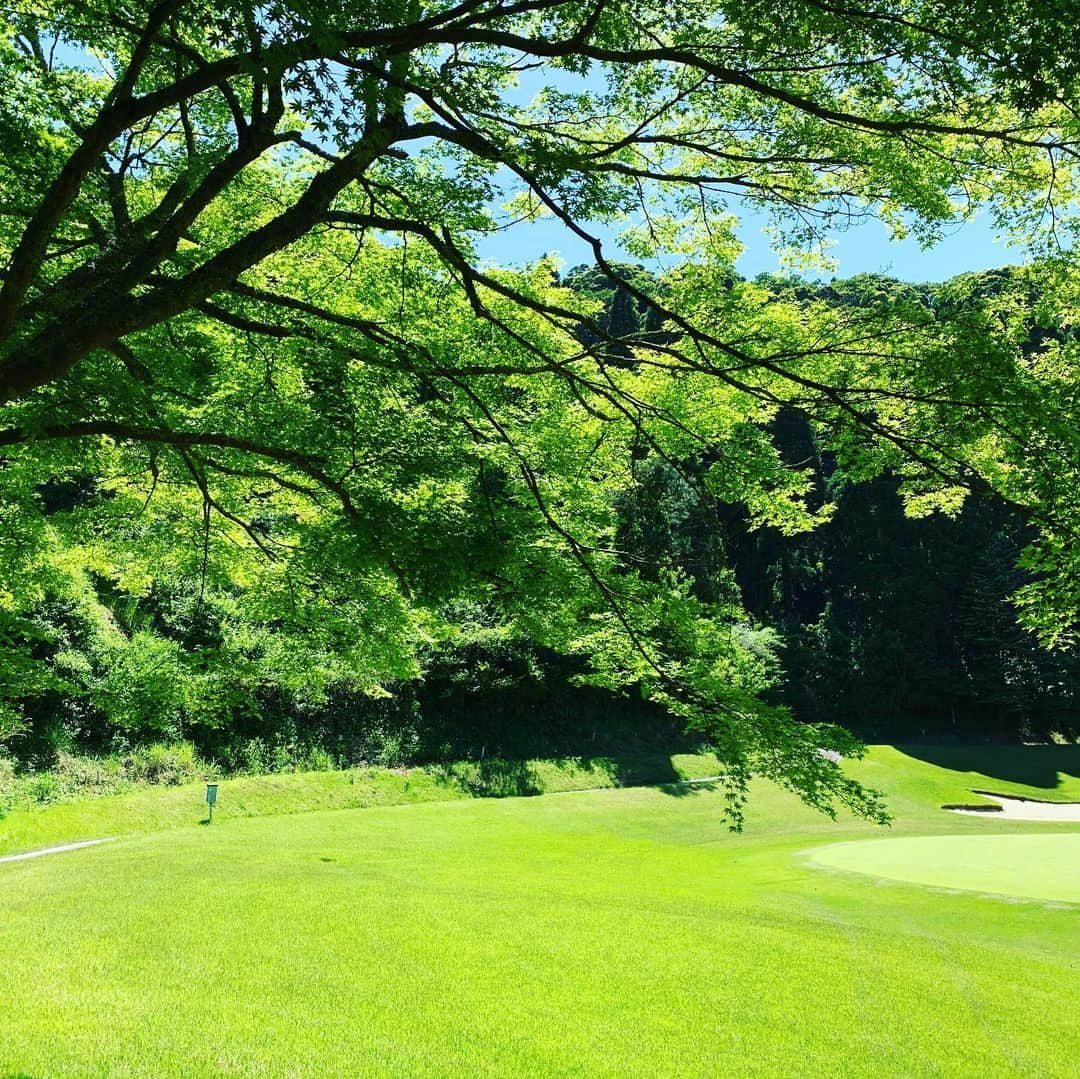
1026, 866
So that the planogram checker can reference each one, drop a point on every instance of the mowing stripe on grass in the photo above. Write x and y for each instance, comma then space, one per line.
54, 850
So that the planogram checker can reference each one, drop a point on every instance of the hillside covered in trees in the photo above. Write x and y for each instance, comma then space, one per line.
336, 518
900, 627
896, 627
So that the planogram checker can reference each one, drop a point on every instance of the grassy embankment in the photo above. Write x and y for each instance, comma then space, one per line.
156, 808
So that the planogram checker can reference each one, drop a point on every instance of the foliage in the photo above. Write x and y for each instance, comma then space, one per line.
896, 625
138, 808
271, 417
907, 628
74, 777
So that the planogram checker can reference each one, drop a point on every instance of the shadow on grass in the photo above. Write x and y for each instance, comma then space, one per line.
491, 778
1034, 766
496, 777
688, 788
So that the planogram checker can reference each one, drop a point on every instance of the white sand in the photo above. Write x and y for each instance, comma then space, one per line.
1020, 809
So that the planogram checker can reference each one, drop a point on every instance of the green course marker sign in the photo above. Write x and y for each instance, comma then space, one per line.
211, 798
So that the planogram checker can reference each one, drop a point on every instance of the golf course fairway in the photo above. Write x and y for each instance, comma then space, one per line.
622, 932
1023, 866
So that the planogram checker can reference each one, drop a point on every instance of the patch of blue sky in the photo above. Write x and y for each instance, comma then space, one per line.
864, 248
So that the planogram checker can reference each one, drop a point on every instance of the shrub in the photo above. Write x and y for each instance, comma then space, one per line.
8, 788
43, 788
319, 760
164, 764
91, 775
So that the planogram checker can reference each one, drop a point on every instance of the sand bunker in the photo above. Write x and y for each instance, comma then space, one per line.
1009, 808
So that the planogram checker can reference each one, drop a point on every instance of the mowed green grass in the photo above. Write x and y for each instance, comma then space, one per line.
614, 932
1025, 866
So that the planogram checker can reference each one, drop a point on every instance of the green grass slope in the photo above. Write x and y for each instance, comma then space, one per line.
620, 932
154, 809
918, 777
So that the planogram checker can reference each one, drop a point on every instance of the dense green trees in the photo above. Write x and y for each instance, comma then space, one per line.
896, 627
243, 313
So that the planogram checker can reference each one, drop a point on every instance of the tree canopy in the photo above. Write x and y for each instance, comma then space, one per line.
253, 361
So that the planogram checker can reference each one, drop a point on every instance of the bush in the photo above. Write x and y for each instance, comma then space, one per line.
8, 789
164, 764
72, 776
43, 788
319, 760
260, 757
91, 775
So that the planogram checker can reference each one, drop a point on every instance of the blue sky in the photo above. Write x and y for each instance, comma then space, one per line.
866, 248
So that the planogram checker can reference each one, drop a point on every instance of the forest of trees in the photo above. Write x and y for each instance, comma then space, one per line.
899, 629
287, 460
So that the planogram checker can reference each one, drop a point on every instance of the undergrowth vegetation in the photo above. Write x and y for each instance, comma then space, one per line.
73, 776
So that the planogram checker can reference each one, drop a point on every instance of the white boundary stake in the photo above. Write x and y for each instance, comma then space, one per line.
54, 850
